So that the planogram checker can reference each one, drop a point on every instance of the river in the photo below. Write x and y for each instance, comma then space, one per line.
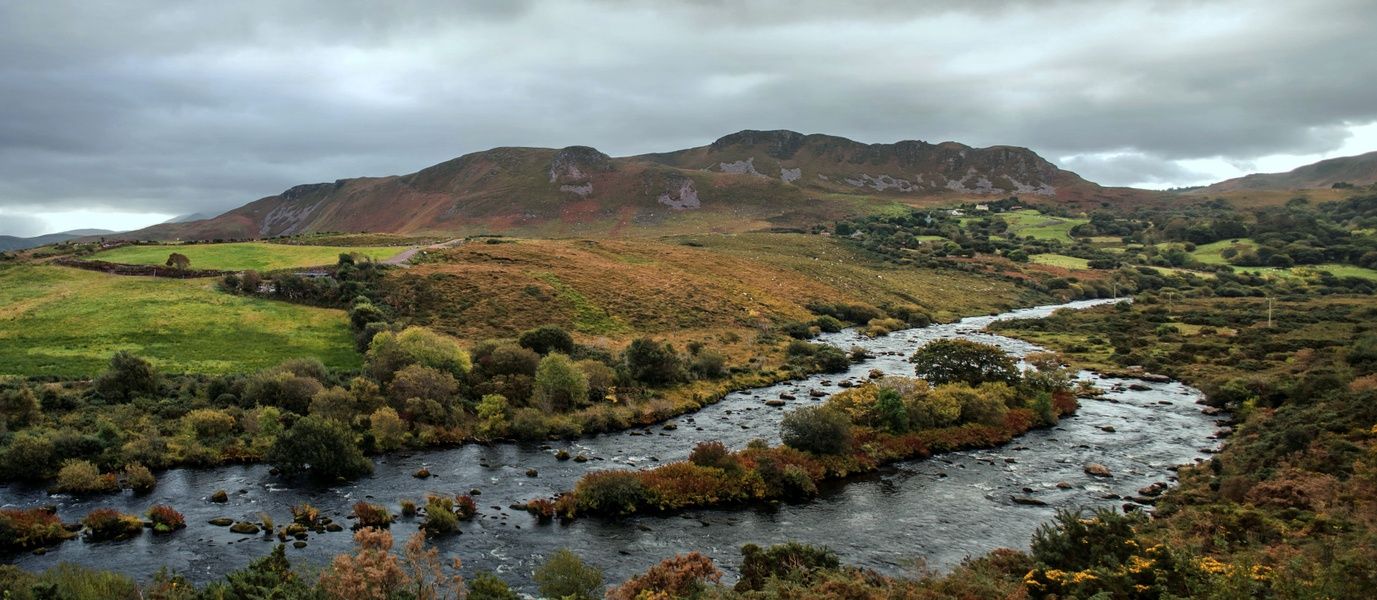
934, 512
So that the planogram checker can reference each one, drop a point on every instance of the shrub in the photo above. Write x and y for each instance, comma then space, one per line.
1075, 541
610, 493
371, 515
165, 519
388, 429
390, 352
493, 412
486, 586
18, 407
957, 360
708, 364
128, 377
139, 478
25, 529
546, 339
465, 507
109, 524
828, 324
559, 384
530, 424
790, 562
716, 455
683, 576
601, 379
30, 455
305, 514
280, 388
652, 362
323, 448
335, 404
440, 517
816, 429
564, 575
209, 426
82, 477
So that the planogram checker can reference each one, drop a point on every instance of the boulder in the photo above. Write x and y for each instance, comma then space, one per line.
1097, 470
244, 528
221, 521
1026, 501
1155, 489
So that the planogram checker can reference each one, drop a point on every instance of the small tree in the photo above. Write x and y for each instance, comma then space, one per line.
816, 429
323, 448
548, 338
178, 261
560, 384
128, 377
652, 362
564, 575
955, 360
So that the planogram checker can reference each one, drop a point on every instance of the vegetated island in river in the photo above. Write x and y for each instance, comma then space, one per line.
971, 395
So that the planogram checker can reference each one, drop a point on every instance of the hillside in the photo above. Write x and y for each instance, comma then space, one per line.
9, 242
1355, 170
745, 181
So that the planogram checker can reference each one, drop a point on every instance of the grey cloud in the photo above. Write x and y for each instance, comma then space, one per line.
201, 106
1135, 168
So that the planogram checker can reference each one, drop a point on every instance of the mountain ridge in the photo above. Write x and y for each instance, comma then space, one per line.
744, 180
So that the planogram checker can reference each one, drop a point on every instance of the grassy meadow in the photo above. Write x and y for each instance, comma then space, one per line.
67, 322
260, 256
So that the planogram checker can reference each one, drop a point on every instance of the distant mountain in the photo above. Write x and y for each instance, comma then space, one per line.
9, 242
197, 216
746, 180
1354, 170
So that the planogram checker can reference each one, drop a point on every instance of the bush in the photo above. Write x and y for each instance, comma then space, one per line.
371, 515
426, 383
165, 519
957, 360
716, 455
546, 339
1075, 541
610, 493
828, 324
793, 562
128, 377
530, 424
831, 359
139, 478
683, 576
82, 477
652, 362
564, 575
486, 586
323, 448
388, 429
25, 529
440, 517
816, 429
283, 389
109, 524
709, 364
390, 352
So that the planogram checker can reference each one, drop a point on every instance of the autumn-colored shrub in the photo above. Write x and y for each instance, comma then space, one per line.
305, 514
139, 478
682, 576
165, 519
371, 515
440, 516
543, 509
24, 529
372, 573
465, 508
82, 477
109, 524
610, 493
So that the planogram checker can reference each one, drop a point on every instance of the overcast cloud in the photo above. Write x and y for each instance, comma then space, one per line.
156, 109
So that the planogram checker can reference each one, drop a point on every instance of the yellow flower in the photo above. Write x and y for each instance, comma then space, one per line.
1138, 564
1210, 565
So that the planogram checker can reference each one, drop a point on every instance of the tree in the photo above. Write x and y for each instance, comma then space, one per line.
564, 575
281, 388
816, 429
956, 360
178, 261
546, 339
325, 449
652, 362
128, 377
559, 383
388, 429
426, 383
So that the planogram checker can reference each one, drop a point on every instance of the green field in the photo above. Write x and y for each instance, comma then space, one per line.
1061, 260
67, 322
1028, 222
1209, 254
260, 256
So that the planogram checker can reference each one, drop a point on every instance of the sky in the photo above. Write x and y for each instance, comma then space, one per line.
121, 114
